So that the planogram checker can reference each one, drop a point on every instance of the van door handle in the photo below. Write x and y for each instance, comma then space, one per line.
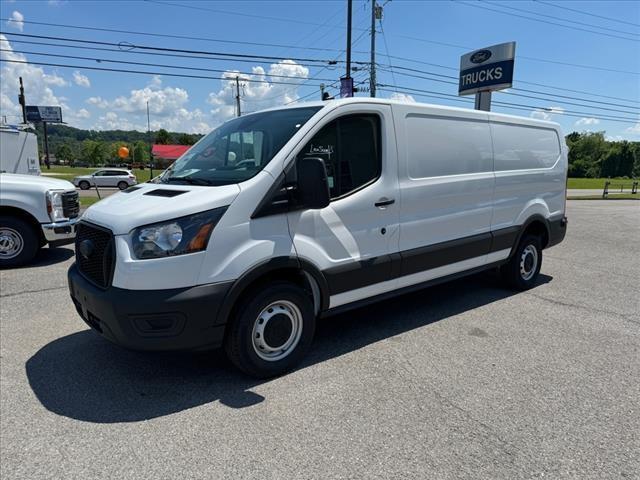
383, 202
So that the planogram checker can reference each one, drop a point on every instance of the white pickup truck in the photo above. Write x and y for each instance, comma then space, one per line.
34, 210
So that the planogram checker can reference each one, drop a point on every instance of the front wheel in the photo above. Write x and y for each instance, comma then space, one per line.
84, 185
522, 270
18, 242
272, 330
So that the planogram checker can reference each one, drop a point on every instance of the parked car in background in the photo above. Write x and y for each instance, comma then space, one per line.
108, 177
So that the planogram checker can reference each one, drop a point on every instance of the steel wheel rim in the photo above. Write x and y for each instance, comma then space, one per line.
528, 262
276, 311
11, 243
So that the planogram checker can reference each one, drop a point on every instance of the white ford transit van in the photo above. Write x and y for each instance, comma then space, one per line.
279, 217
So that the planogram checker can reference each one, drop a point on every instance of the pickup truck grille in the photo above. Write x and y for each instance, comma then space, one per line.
70, 204
95, 253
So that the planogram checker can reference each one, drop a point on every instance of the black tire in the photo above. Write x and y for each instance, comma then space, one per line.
84, 185
12, 231
123, 185
240, 345
521, 273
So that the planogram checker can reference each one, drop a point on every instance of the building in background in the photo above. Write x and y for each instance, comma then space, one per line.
165, 155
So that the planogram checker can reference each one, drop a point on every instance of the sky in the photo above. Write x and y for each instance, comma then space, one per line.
560, 53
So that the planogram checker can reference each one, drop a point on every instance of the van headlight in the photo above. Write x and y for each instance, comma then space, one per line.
54, 205
175, 237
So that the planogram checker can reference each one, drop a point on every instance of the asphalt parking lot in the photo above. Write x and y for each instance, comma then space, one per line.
464, 380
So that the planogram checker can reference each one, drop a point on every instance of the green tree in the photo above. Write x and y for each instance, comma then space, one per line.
94, 152
163, 137
140, 152
65, 152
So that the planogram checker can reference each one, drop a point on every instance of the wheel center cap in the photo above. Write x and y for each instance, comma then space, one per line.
278, 330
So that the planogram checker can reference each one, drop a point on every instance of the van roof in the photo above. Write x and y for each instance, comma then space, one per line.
441, 108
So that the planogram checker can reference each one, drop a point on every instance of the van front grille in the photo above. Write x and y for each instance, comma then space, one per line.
95, 253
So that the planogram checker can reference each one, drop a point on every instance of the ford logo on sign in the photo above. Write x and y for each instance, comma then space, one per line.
480, 56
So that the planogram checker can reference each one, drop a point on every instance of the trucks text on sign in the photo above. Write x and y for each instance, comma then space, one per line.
487, 69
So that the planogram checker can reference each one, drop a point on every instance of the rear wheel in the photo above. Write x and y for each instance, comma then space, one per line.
18, 242
522, 270
272, 330
123, 185
84, 185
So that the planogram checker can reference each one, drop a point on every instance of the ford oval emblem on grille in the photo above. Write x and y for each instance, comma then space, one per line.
86, 248
480, 56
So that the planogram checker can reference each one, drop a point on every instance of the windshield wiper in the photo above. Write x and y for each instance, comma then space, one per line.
190, 180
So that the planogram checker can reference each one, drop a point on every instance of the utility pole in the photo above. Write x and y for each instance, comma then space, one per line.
22, 102
150, 143
322, 91
349, 8
46, 145
372, 69
238, 96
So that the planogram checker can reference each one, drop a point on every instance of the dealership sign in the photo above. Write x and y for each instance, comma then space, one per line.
44, 114
487, 69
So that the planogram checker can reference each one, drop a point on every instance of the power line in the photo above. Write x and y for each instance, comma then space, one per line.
548, 22
240, 14
519, 81
167, 35
508, 106
181, 67
561, 19
595, 115
569, 64
161, 54
131, 46
103, 69
519, 57
529, 91
587, 13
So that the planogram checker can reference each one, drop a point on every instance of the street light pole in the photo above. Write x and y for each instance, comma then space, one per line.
150, 144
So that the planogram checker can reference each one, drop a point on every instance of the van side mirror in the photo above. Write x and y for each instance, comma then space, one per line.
313, 186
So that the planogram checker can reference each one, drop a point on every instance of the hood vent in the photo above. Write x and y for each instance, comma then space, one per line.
163, 192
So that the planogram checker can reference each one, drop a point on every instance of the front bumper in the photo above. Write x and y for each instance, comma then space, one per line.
176, 319
60, 233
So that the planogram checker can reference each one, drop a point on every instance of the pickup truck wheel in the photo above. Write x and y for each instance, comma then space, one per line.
18, 242
123, 185
272, 330
84, 185
521, 273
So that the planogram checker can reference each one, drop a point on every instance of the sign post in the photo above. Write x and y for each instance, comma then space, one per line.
44, 115
486, 70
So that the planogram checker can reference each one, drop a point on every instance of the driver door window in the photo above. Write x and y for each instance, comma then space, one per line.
350, 148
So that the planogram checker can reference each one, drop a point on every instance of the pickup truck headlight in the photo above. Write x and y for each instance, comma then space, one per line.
175, 237
54, 205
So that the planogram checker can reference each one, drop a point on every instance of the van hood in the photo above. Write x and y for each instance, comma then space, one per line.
156, 202
35, 182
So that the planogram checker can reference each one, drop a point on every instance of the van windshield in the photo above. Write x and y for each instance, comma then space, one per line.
238, 149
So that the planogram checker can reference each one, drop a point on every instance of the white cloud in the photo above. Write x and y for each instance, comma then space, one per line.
16, 20
402, 97
37, 84
260, 93
81, 79
546, 113
635, 130
53, 79
584, 121
83, 113
98, 102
